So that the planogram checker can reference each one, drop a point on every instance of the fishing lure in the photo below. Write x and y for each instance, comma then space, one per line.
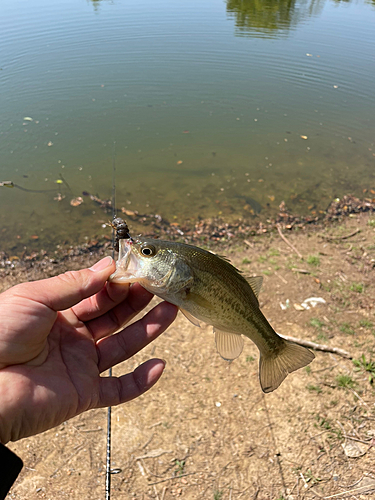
122, 231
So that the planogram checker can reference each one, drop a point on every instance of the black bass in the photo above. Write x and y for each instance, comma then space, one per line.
208, 288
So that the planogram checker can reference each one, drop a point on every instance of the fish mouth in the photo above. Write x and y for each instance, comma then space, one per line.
127, 265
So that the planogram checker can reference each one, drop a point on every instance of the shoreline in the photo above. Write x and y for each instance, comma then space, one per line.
315, 415
212, 233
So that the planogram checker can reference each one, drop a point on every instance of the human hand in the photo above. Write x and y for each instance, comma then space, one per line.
55, 341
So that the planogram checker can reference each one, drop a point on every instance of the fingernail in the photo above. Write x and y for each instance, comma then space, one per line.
102, 264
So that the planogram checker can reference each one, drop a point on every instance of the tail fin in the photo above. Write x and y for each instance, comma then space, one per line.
273, 369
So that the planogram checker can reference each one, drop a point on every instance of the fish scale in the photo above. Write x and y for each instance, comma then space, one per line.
208, 288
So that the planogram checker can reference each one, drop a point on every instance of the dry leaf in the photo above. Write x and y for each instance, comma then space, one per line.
127, 212
354, 449
298, 307
75, 202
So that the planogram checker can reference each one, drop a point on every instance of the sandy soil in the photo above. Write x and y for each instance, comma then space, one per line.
206, 431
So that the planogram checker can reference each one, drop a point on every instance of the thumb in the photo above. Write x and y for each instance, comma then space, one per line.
66, 290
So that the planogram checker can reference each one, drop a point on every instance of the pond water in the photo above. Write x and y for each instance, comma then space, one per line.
206, 108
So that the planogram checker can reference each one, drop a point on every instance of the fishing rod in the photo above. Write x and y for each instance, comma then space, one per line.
120, 231
109, 410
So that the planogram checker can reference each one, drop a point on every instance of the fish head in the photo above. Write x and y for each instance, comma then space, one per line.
152, 263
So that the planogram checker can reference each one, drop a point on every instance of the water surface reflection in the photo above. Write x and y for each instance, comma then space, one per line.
274, 18
206, 123
271, 18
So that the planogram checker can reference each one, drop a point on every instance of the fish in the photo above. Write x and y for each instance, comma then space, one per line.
208, 288
254, 204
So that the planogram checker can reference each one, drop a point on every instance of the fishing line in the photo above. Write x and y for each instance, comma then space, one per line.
11, 184
109, 410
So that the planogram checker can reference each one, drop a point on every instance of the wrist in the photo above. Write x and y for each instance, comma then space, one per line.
16, 394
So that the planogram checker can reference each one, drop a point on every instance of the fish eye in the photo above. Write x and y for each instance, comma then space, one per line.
148, 250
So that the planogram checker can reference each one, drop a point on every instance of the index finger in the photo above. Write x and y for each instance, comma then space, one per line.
64, 291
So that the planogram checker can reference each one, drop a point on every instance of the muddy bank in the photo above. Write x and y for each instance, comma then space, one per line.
211, 233
206, 431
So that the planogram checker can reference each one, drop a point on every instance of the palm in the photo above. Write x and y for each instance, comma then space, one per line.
69, 377
58, 358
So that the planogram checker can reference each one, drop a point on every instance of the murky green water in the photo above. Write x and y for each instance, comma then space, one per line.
210, 105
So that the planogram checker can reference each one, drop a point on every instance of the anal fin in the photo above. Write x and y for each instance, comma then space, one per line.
190, 317
229, 345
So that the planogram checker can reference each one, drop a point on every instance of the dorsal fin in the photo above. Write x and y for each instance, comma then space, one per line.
256, 284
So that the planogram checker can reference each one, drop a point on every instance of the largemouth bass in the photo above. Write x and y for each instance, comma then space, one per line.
207, 287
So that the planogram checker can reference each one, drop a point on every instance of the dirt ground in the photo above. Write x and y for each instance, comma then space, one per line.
206, 430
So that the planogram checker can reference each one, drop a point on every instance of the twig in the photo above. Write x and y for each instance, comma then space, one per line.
326, 368
287, 242
294, 487
244, 491
304, 480
340, 237
155, 425
153, 454
302, 271
369, 443
147, 442
77, 450
277, 455
163, 494
173, 477
88, 430
315, 492
141, 468
282, 279
354, 490
358, 397
156, 493
352, 485
318, 347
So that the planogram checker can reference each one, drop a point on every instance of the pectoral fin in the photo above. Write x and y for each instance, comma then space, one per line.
229, 345
190, 317
199, 300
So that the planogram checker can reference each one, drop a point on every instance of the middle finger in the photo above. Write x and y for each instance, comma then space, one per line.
117, 348
136, 300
